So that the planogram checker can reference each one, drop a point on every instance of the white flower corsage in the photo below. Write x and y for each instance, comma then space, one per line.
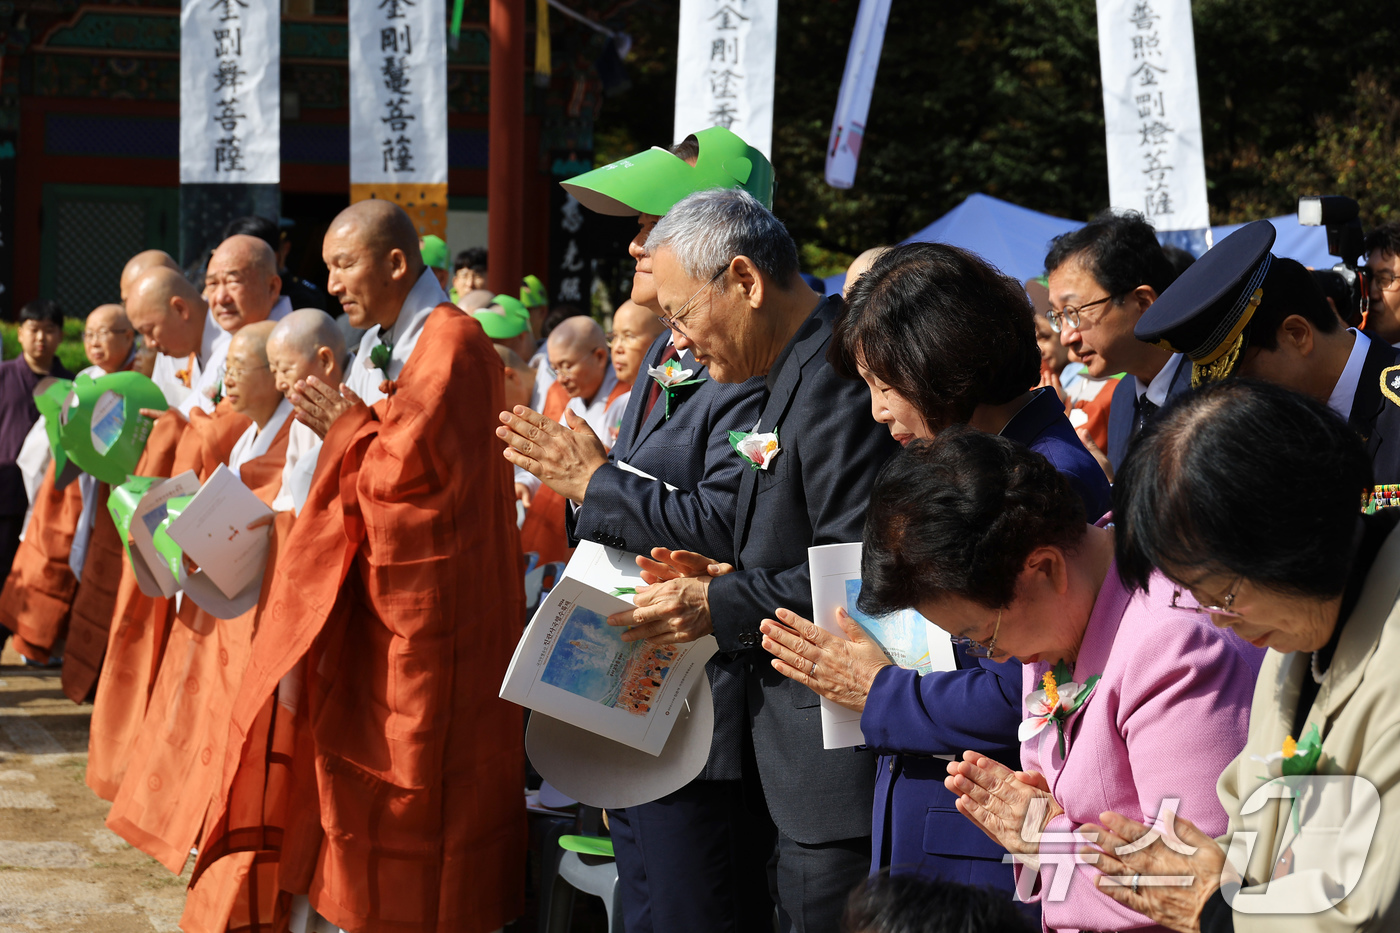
758, 449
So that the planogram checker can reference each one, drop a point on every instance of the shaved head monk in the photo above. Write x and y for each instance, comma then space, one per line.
177, 760
519, 377
635, 329
140, 264
397, 603
41, 590
172, 317
242, 284
305, 343
587, 397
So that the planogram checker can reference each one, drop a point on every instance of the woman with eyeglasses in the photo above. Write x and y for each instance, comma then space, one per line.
940, 338
1312, 797
1134, 702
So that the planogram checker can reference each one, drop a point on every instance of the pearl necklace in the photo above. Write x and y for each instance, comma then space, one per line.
1316, 674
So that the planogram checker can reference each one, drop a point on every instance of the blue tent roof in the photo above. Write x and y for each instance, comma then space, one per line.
1015, 239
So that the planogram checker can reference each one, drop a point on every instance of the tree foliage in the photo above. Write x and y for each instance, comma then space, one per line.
1003, 97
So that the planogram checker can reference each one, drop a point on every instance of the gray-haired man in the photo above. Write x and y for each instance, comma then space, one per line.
728, 283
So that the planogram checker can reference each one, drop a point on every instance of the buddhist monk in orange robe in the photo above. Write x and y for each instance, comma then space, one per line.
37, 601
177, 760
398, 598
171, 316
578, 352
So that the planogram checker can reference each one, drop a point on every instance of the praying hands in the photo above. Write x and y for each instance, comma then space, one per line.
564, 459
318, 405
1011, 807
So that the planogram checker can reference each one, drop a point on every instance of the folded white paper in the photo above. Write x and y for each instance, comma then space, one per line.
908, 639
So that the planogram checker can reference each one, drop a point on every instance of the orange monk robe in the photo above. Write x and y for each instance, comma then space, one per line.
38, 593
140, 623
399, 596
240, 886
177, 760
91, 618
545, 531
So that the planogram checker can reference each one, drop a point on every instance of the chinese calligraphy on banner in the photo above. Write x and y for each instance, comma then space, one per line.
230, 103
1152, 112
724, 68
398, 106
857, 84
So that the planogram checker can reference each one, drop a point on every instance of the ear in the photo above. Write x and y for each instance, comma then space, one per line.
746, 275
398, 264
275, 283
1145, 296
1297, 333
1046, 565
325, 360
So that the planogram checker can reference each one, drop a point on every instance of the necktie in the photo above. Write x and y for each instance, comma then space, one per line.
1146, 408
655, 393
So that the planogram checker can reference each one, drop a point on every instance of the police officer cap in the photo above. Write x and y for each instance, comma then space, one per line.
1205, 312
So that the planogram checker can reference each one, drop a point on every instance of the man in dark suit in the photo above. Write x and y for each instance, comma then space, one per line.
694, 860
1242, 311
1102, 278
729, 287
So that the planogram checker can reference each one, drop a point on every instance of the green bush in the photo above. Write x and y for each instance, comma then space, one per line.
70, 350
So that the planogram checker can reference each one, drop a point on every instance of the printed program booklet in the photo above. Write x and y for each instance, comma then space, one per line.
573, 666
907, 638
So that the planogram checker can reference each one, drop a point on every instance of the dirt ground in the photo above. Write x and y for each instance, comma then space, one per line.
61, 869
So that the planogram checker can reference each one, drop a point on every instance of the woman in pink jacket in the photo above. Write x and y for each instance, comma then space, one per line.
1132, 704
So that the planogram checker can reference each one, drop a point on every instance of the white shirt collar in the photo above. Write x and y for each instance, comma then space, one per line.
1344, 392
426, 295
255, 443
1156, 390
212, 334
281, 309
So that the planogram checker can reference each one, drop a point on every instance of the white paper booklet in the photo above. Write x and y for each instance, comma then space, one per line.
908, 639
213, 532
151, 570
572, 665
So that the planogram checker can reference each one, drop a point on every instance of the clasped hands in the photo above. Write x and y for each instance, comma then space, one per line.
318, 405
564, 458
674, 607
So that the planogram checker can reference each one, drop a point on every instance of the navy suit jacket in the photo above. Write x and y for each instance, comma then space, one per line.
910, 718
1375, 415
1122, 411
691, 451
815, 491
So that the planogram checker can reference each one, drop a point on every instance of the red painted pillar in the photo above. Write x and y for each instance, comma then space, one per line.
505, 184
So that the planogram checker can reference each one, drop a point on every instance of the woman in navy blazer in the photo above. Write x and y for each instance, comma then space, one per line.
940, 338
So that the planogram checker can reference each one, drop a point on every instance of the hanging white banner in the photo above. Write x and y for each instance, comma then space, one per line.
230, 98
725, 59
1152, 112
853, 104
398, 92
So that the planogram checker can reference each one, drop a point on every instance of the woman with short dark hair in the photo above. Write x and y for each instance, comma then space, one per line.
986, 539
940, 338
1247, 497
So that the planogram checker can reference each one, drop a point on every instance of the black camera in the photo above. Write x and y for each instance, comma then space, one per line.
1346, 283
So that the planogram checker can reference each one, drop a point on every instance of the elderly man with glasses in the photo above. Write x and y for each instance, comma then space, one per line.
1102, 278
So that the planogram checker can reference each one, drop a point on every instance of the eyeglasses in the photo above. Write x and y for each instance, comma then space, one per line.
1385, 279
1222, 610
104, 333
672, 321
237, 374
1071, 315
975, 649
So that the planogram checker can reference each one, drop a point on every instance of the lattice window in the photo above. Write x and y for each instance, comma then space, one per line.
93, 242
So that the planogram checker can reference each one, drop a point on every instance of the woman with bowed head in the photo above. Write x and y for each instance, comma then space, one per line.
940, 338
1246, 496
1131, 703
